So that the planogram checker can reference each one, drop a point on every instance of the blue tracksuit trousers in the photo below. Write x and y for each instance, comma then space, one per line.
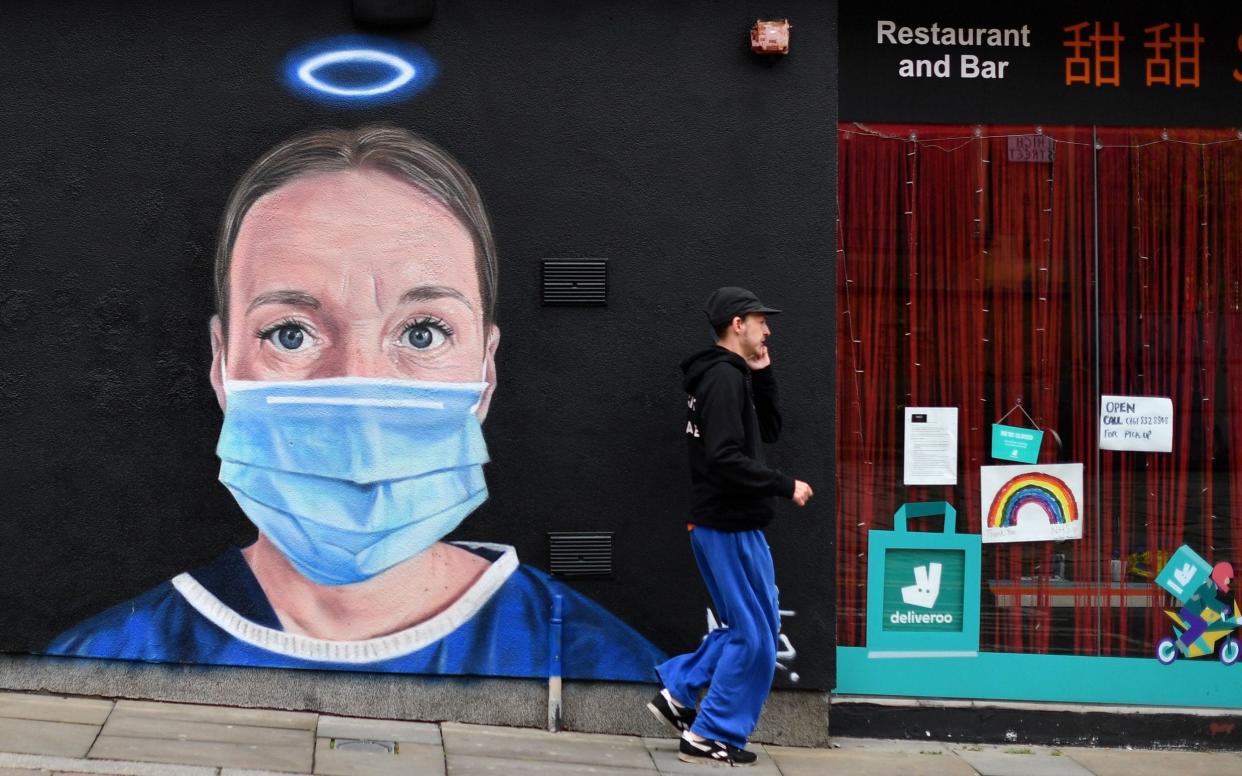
736, 662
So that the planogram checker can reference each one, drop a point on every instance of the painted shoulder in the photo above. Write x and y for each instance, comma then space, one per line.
138, 629
508, 636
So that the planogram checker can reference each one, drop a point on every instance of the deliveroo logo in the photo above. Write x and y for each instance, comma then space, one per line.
1184, 574
926, 587
934, 602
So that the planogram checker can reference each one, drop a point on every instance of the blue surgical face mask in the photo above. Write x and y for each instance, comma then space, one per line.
350, 476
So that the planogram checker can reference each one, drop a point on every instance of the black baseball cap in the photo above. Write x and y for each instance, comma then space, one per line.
726, 303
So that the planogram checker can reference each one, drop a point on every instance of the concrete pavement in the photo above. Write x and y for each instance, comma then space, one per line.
42, 734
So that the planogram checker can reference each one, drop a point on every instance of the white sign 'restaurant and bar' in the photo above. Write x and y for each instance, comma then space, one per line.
1142, 423
968, 66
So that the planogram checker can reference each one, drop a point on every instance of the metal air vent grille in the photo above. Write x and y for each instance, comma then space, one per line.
580, 553
575, 282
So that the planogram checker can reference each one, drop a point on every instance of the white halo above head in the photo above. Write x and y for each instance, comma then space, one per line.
403, 71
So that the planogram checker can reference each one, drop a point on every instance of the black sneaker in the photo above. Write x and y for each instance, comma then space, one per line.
717, 753
671, 713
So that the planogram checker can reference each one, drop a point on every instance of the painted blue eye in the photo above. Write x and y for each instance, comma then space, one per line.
425, 336
290, 337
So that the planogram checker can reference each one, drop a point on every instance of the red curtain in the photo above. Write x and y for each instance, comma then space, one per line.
965, 279
1169, 215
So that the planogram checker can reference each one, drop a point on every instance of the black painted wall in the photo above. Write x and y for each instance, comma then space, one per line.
641, 132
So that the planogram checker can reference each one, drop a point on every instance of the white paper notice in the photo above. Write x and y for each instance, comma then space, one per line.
931, 446
1136, 423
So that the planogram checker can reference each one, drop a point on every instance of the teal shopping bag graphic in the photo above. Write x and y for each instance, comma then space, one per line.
923, 587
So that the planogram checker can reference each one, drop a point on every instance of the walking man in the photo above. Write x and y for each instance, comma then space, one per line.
731, 406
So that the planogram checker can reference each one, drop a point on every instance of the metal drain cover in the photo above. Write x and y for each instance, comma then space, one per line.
364, 745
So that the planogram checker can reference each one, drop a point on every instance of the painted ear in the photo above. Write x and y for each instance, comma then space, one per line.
217, 359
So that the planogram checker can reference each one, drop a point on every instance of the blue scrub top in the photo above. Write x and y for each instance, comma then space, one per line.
508, 635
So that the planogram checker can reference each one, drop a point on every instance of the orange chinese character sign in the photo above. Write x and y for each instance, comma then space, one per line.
1237, 74
1183, 68
1096, 59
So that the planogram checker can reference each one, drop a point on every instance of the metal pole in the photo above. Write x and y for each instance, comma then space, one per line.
1095, 281
554, 666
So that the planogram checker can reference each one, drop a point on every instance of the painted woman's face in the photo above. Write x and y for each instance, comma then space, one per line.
354, 273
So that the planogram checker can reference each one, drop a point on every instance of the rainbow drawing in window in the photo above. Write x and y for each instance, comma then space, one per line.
1051, 495
1031, 503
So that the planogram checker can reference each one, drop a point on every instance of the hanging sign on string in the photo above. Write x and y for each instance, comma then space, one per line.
1015, 443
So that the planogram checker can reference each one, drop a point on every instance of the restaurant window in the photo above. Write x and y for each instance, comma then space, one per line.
1024, 273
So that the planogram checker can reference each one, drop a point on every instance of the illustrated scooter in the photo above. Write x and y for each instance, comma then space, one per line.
1218, 628
1206, 619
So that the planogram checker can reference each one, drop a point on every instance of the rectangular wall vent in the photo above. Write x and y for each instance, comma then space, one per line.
575, 282
580, 553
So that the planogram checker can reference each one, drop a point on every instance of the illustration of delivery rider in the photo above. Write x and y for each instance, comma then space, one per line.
1211, 596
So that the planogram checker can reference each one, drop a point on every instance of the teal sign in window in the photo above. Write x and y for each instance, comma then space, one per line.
1014, 443
923, 587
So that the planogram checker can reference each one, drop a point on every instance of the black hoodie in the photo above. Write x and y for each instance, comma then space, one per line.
730, 408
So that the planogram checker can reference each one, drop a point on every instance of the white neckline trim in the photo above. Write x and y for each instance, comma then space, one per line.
373, 650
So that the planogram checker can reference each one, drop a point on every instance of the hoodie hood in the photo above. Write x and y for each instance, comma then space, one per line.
695, 365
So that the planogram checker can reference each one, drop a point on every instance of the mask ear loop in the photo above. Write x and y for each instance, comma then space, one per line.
483, 380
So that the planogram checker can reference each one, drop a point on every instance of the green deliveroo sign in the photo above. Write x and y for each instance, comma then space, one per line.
923, 587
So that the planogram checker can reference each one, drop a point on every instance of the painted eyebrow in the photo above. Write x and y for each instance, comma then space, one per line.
426, 293
296, 298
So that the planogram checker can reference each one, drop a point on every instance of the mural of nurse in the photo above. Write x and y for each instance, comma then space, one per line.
354, 359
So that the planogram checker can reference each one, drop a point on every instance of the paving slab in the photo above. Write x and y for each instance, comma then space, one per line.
1124, 762
1020, 760
794, 761
893, 745
473, 765
253, 772
267, 757
225, 715
141, 726
54, 708
378, 730
72, 765
64, 739
409, 758
664, 755
24, 772
524, 744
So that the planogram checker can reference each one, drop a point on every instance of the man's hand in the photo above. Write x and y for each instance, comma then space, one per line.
802, 493
760, 360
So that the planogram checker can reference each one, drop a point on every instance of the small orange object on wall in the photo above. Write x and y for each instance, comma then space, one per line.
770, 36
